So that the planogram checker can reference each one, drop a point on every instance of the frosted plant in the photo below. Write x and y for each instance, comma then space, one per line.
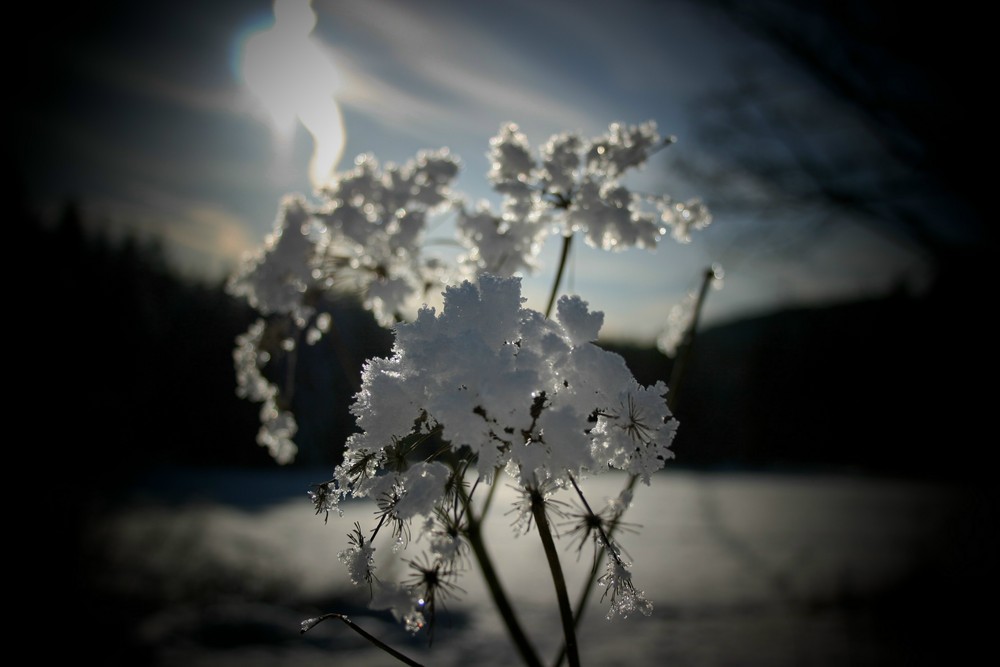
682, 217
495, 386
486, 388
625, 599
248, 359
373, 222
274, 279
577, 183
499, 245
514, 389
359, 557
683, 315
366, 233
278, 426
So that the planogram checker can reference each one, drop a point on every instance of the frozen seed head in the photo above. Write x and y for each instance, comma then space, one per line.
625, 599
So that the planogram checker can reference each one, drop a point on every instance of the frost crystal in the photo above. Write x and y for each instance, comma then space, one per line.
275, 278
277, 429
248, 359
682, 217
423, 485
625, 599
497, 245
359, 557
635, 435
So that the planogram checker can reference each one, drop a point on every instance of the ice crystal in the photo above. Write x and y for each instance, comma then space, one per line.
359, 557
275, 278
625, 598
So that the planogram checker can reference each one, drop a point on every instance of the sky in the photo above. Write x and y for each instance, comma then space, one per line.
154, 119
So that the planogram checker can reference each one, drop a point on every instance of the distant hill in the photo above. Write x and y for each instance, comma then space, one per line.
883, 385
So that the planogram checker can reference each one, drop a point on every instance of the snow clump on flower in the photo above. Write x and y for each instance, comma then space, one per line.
275, 278
373, 222
575, 185
507, 388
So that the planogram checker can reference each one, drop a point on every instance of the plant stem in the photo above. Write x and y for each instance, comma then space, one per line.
474, 533
581, 602
311, 623
564, 253
675, 378
562, 595
688, 341
489, 495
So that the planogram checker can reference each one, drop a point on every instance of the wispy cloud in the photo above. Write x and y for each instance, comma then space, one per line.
134, 78
424, 65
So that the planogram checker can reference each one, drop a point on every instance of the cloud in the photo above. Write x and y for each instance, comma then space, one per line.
130, 76
425, 65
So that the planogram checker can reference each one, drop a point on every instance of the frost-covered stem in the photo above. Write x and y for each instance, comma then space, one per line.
564, 253
489, 496
313, 622
581, 602
688, 341
474, 533
562, 595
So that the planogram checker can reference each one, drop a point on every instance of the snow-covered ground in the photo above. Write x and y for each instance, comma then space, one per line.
742, 569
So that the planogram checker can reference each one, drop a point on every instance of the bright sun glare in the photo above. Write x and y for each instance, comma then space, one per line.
295, 79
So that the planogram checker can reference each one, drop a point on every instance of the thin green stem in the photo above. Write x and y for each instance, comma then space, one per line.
563, 254
562, 595
474, 533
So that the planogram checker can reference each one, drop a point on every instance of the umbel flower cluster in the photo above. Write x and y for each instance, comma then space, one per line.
484, 388
495, 386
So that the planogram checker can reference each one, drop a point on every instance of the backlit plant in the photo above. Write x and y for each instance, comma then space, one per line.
484, 390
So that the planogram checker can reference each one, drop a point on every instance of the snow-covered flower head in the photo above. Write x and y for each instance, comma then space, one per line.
505, 387
577, 183
489, 385
275, 278
373, 225
500, 245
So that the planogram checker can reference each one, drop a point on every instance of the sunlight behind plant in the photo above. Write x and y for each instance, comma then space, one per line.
295, 79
